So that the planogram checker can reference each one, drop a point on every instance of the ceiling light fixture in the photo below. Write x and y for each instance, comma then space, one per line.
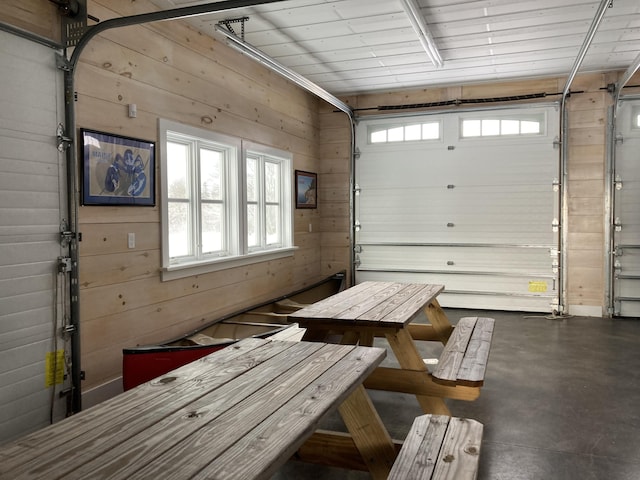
422, 30
270, 63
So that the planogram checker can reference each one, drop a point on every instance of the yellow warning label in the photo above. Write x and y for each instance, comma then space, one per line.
537, 286
54, 368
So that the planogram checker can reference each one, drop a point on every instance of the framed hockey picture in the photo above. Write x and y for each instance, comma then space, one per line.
117, 170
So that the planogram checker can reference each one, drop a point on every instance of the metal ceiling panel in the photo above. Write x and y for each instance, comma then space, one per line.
359, 46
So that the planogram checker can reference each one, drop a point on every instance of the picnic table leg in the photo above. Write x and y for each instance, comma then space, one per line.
314, 335
409, 359
439, 321
369, 433
350, 338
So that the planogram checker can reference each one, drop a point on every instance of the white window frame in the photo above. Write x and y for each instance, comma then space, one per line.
236, 252
266, 154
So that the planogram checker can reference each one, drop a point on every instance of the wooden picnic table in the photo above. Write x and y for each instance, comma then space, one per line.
403, 314
239, 413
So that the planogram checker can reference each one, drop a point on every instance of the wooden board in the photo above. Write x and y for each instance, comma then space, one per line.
238, 413
439, 447
465, 356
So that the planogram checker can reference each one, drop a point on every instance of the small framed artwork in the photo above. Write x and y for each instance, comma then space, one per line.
306, 189
117, 170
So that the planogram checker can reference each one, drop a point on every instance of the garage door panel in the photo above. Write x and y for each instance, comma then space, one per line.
419, 172
470, 292
32, 205
458, 192
626, 212
455, 259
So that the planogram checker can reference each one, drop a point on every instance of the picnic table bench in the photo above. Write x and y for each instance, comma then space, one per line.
439, 447
394, 311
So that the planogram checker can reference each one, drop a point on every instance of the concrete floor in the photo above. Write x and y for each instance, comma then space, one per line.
561, 401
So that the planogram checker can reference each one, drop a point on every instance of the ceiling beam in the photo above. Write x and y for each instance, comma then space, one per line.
419, 24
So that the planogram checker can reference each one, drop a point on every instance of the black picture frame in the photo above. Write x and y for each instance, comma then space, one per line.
117, 170
306, 189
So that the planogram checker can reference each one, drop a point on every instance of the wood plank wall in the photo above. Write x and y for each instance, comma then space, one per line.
35, 16
586, 164
171, 71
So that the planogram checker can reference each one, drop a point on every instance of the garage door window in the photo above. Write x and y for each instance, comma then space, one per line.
405, 133
635, 122
502, 126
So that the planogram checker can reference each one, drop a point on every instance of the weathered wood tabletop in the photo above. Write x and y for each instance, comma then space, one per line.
395, 311
239, 413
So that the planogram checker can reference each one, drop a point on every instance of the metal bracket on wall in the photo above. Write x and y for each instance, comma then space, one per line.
62, 63
229, 22
74, 22
64, 142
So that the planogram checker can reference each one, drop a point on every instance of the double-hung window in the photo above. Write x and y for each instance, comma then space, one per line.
267, 222
225, 202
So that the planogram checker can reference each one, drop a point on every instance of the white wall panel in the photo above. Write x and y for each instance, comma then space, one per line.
32, 192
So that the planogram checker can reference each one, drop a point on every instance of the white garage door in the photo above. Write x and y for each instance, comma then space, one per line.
626, 235
31, 182
467, 199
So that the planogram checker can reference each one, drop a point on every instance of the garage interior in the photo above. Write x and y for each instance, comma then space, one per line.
489, 146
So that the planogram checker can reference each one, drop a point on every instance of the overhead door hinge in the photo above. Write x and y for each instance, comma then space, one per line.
618, 183
64, 264
62, 63
617, 225
64, 142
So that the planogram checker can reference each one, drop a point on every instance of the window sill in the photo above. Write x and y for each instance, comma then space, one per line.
175, 272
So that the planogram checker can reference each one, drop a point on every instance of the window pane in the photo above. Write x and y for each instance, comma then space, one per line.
396, 134
272, 182
252, 179
413, 132
471, 128
431, 131
490, 127
379, 136
212, 228
510, 127
179, 239
637, 121
177, 170
252, 225
273, 224
530, 127
211, 166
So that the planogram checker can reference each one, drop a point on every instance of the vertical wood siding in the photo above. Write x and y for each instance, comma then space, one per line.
171, 71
